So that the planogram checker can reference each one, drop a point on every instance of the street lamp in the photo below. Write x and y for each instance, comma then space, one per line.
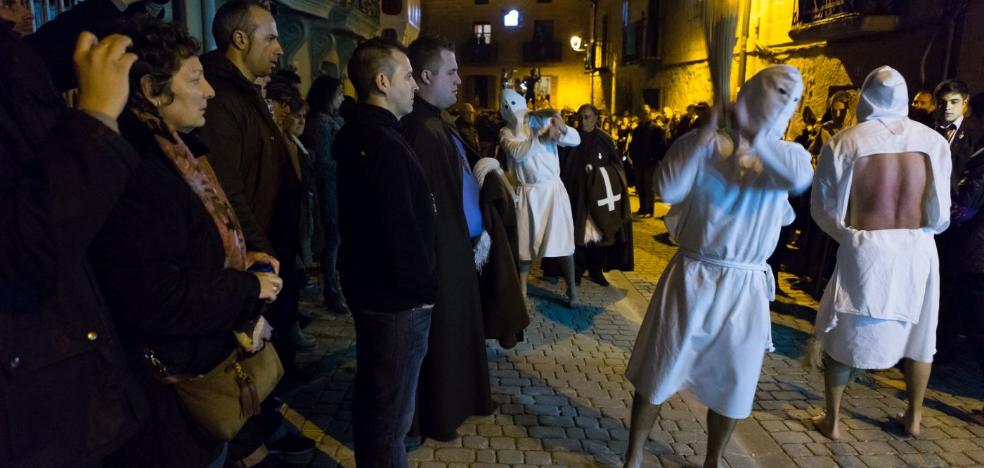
576, 43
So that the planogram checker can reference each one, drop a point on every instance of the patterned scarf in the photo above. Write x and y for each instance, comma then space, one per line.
200, 177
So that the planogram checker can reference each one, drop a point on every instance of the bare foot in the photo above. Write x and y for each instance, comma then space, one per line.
911, 422
633, 460
827, 426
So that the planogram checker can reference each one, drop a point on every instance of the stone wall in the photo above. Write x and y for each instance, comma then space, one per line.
682, 74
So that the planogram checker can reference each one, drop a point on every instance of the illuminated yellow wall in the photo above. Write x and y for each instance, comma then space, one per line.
454, 19
681, 71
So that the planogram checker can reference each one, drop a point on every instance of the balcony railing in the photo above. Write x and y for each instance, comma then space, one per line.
542, 51
837, 19
479, 52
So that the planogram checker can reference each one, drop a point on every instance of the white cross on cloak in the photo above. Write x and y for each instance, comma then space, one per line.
611, 197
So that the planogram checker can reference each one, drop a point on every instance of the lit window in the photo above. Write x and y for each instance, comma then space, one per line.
511, 19
483, 33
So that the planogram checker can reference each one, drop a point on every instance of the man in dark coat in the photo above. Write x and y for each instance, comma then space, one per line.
646, 147
386, 217
67, 396
251, 159
596, 184
454, 379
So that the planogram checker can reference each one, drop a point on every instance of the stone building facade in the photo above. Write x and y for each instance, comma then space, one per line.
835, 43
541, 38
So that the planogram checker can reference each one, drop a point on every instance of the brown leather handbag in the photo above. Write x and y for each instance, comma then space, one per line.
222, 399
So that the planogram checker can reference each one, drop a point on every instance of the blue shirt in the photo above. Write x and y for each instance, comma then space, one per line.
470, 192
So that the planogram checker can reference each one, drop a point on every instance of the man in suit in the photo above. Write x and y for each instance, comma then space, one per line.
952, 97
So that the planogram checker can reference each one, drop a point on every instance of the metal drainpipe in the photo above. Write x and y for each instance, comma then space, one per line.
951, 27
743, 57
593, 46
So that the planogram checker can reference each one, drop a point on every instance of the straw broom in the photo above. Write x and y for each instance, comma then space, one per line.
720, 27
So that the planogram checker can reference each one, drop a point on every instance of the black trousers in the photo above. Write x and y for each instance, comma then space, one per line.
590, 258
645, 187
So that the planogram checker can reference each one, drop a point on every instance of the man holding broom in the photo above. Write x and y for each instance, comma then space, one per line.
707, 326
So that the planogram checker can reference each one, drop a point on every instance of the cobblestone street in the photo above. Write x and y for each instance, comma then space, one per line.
563, 400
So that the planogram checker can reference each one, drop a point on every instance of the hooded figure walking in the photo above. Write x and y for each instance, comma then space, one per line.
707, 327
544, 221
882, 191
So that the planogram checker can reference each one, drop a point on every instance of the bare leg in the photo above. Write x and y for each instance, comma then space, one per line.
719, 430
643, 417
524, 275
916, 380
835, 378
567, 265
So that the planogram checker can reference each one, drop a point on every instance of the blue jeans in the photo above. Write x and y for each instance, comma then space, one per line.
389, 349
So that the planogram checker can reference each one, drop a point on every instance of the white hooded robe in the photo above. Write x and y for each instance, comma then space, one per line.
707, 326
882, 301
544, 221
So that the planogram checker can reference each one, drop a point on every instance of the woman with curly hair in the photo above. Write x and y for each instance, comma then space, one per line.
171, 259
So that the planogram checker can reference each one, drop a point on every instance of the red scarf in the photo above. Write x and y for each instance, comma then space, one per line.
198, 174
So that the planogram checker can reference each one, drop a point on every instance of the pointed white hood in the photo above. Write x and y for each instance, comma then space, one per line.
513, 107
771, 97
884, 96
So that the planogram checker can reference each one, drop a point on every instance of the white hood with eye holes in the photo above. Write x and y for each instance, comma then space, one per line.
771, 97
513, 107
883, 128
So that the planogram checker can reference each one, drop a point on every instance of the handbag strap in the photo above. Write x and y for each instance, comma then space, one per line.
164, 376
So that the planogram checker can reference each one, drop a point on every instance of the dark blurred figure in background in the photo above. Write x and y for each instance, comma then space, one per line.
923, 107
323, 122
646, 148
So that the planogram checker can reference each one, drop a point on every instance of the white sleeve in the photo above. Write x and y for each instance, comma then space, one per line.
677, 171
788, 164
571, 138
938, 201
517, 147
826, 194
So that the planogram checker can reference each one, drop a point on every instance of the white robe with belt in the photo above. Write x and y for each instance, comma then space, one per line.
544, 221
882, 301
708, 327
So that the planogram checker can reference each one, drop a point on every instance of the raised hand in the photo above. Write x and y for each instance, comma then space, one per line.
103, 70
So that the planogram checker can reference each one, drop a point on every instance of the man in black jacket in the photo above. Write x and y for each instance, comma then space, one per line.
251, 159
386, 216
454, 379
66, 395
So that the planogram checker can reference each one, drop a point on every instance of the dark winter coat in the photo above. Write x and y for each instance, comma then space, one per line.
251, 159
385, 214
969, 205
454, 377
67, 395
647, 145
503, 304
160, 262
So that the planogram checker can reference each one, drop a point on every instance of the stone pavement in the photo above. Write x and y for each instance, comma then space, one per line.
563, 400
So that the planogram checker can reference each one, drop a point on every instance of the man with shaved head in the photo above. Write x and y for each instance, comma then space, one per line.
386, 217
